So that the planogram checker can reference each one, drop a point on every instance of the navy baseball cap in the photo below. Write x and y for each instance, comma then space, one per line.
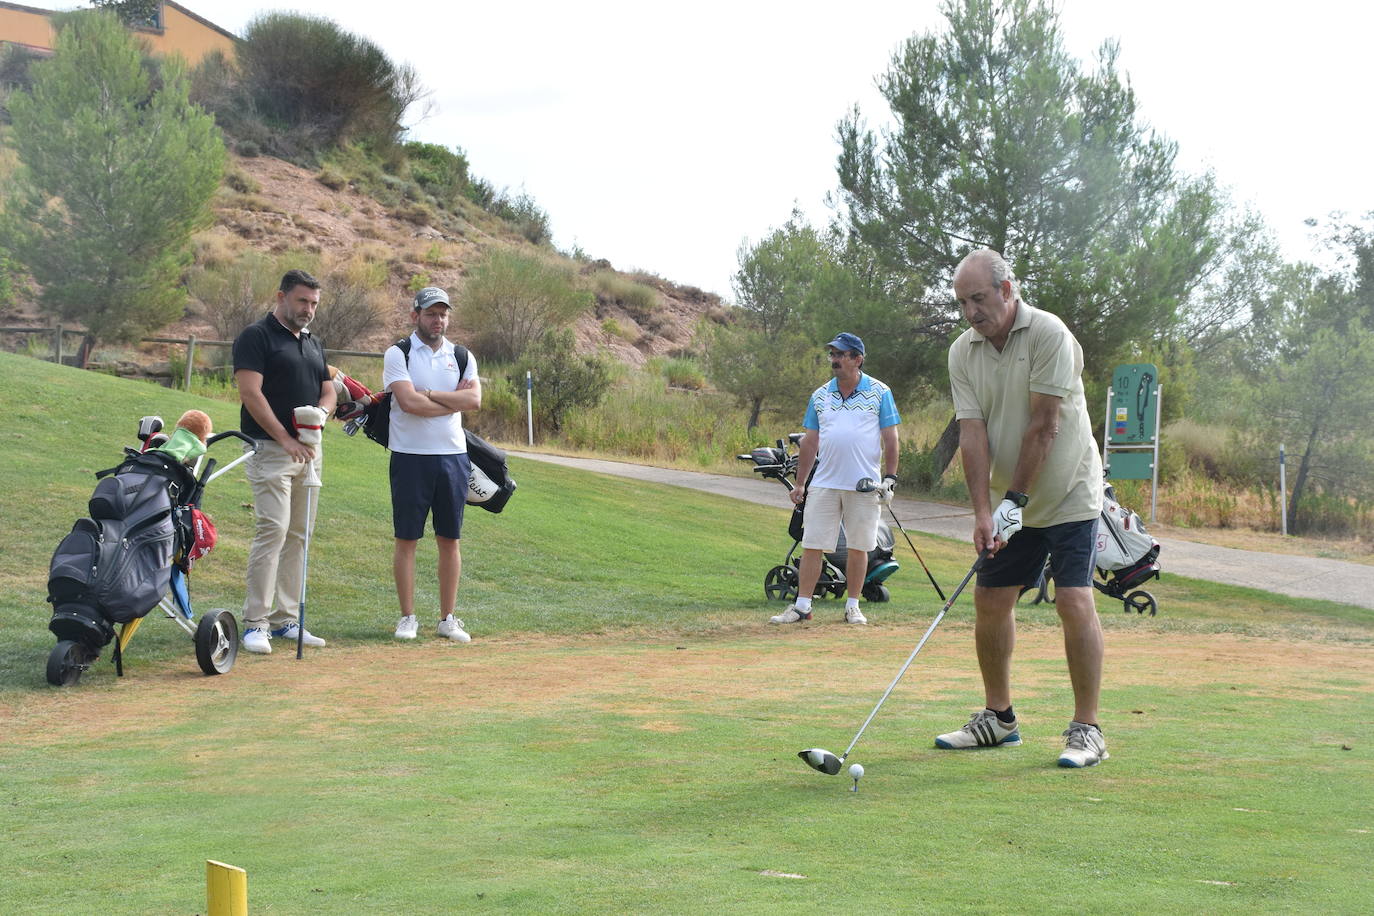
431, 295
847, 342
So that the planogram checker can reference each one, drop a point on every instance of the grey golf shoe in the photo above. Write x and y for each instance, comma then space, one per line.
1084, 746
984, 729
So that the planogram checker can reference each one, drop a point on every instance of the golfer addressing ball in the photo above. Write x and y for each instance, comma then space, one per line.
851, 425
1035, 481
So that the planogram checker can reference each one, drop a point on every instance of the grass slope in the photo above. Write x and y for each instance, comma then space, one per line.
619, 735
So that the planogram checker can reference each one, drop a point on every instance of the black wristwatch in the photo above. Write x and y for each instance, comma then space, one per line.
1019, 498
891, 477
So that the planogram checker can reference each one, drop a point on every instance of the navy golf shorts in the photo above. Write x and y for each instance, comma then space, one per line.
1071, 548
421, 483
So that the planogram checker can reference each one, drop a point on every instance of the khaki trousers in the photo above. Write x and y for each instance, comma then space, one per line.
276, 561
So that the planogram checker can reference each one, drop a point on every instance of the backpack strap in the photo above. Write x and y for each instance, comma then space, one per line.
459, 351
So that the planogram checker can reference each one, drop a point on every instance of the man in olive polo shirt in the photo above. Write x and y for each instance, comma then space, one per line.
1016, 379
279, 366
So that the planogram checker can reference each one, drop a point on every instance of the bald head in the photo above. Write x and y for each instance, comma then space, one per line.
987, 266
986, 291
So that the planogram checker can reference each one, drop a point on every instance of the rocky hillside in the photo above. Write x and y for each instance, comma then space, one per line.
272, 206
281, 207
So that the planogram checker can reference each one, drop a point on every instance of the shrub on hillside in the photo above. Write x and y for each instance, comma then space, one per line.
564, 380
511, 299
521, 211
302, 84
236, 294
440, 171
636, 298
350, 309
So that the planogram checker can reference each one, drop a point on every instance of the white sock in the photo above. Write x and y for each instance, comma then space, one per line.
803, 604
851, 604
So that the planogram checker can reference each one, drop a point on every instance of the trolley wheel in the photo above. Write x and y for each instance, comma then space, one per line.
1140, 602
67, 661
781, 583
217, 642
874, 591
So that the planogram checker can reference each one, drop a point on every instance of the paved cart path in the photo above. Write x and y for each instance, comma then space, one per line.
1297, 576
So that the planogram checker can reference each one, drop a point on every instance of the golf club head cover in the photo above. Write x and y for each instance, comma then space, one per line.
197, 422
347, 410
886, 488
309, 423
351, 396
1006, 521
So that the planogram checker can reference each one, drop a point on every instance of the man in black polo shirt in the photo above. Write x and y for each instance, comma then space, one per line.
279, 366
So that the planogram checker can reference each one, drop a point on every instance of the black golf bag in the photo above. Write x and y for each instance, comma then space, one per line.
783, 581
489, 485
116, 565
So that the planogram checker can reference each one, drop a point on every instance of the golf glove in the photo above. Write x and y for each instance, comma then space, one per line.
1006, 521
885, 489
309, 421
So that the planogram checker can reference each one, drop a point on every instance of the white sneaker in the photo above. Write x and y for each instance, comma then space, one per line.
257, 640
791, 615
854, 615
983, 730
408, 627
1084, 746
289, 632
452, 628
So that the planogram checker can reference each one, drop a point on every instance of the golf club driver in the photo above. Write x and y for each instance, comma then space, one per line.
312, 495
818, 758
866, 485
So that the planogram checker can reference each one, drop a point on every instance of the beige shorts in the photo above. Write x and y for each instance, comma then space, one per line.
826, 508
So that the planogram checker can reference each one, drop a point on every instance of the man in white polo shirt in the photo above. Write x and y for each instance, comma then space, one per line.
1016, 376
430, 388
851, 424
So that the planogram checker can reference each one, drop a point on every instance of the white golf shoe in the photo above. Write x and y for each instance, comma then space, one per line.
452, 628
983, 730
1084, 746
256, 640
408, 627
791, 615
854, 615
290, 631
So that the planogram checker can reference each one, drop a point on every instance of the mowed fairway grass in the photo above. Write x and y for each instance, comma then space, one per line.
620, 736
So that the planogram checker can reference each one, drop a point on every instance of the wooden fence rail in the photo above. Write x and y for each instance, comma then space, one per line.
190, 343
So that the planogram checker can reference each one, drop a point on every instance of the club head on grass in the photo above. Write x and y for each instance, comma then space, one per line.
818, 758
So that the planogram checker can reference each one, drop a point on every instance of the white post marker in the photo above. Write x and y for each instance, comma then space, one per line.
1283, 493
529, 404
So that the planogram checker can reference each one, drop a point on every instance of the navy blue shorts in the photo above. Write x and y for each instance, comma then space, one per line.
1071, 547
420, 483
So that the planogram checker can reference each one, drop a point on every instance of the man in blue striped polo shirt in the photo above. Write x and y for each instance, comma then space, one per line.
851, 425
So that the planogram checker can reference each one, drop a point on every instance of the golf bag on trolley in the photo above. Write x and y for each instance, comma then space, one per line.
1127, 557
784, 580
134, 551
115, 565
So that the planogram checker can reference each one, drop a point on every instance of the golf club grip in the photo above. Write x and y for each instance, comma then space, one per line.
911, 658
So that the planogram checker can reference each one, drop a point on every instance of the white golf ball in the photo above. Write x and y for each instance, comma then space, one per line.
856, 770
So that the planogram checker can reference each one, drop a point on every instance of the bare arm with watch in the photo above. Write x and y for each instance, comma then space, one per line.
992, 528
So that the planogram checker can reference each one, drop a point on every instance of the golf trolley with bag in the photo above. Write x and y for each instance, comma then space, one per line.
1127, 557
783, 581
133, 553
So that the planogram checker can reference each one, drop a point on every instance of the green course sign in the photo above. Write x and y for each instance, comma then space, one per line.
1132, 408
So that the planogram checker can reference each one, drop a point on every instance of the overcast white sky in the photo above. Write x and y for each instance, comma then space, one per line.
660, 136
